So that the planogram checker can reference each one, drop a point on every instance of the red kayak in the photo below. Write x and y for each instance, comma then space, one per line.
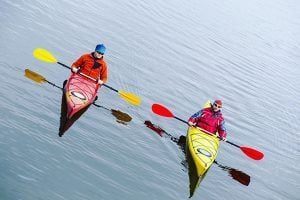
80, 92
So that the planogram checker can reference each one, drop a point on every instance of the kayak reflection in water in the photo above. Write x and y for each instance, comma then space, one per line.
237, 175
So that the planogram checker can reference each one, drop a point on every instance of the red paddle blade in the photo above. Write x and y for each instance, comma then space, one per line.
161, 110
252, 153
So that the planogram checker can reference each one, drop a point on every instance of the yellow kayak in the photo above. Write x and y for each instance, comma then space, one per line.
202, 150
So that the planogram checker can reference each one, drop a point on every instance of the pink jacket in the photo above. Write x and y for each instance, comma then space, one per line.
210, 121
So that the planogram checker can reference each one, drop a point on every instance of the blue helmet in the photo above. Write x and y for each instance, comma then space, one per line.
100, 48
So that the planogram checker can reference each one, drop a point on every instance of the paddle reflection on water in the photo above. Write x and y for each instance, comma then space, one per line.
237, 175
122, 118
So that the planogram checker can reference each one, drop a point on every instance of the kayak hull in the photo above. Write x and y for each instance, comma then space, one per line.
201, 151
79, 93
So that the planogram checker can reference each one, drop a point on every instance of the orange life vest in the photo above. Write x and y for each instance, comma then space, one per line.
91, 66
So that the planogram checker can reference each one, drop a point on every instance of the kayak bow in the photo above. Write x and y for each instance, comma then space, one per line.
201, 152
79, 93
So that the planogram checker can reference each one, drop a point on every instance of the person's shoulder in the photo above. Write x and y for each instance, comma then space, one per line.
220, 115
88, 55
206, 110
85, 56
104, 62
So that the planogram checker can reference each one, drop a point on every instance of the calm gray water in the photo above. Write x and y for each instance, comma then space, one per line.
176, 53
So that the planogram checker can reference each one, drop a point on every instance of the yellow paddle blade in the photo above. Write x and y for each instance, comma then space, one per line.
130, 98
207, 104
44, 55
34, 76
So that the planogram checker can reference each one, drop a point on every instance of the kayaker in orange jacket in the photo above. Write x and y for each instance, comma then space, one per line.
92, 65
210, 119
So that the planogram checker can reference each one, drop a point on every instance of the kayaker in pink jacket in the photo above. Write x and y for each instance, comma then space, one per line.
210, 119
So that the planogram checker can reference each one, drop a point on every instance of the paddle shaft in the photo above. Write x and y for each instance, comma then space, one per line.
202, 129
181, 120
97, 105
66, 66
233, 144
110, 88
209, 133
54, 85
62, 64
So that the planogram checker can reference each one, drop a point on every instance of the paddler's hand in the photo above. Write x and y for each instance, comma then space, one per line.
191, 123
223, 139
100, 82
74, 70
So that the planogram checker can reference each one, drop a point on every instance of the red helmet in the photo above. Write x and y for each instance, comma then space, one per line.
218, 102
